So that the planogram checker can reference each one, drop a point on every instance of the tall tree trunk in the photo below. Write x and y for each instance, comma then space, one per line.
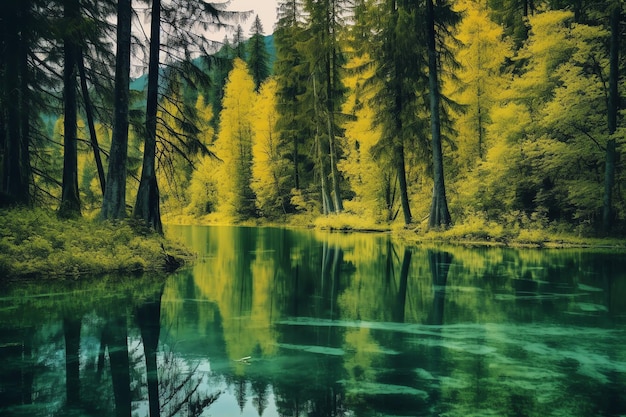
147, 206
613, 107
90, 121
332, 89
398, 154
25, 104
13, 174
439, 214
70, 199
327, 205
114, 201
334, 172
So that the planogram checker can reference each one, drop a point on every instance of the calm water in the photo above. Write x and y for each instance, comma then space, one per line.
273, 322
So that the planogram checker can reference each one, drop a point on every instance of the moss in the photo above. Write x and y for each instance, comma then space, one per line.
37, 243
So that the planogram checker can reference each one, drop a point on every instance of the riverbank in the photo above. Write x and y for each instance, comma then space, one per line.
473, 231
35, 243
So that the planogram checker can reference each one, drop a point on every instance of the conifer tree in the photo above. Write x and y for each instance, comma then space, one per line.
325, 90
439, 213
15, 28
234, 144
257, 54
615, 14
70, 200
291, 78
114, 200
147, 206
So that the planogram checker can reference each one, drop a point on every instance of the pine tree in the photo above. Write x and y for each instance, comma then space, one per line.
325, 90
70, 200
291, 77
114, 200
147, 206
257, 54
439, 213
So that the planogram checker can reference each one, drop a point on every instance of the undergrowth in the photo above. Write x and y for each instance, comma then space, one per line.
34, 242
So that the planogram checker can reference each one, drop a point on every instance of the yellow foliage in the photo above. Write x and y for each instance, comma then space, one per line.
234, 142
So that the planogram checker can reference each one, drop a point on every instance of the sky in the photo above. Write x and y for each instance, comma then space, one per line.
266, 9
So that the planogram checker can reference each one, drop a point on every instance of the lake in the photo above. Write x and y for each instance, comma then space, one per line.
282, 322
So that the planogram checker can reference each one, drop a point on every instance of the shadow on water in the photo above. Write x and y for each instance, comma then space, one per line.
274, 322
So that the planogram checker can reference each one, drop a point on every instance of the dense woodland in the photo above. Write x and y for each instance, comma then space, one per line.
424, 113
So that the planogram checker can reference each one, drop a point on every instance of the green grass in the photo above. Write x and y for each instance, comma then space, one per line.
35, 243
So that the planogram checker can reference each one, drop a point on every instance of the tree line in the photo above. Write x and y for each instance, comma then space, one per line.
423, 111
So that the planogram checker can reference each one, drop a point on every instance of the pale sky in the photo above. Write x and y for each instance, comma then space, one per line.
266, 9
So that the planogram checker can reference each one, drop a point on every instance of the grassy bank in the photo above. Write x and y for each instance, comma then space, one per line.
35, 243
517, 231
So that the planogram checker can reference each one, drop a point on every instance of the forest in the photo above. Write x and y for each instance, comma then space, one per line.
421, 114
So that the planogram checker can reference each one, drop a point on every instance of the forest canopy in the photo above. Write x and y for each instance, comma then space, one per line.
421, 114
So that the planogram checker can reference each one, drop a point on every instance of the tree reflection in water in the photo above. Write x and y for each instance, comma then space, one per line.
276, 322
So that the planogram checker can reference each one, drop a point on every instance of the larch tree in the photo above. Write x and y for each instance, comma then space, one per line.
482, 53
234, 144
269, 171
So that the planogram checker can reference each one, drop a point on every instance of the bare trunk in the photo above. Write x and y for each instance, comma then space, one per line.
613, 108
13, 173
147, 206
70, 199
334, 172
439, 214
114, 201
90, 121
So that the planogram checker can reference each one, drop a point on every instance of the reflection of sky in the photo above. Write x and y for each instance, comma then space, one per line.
227, 404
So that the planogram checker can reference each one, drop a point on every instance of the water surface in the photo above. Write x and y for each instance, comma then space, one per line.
277, 322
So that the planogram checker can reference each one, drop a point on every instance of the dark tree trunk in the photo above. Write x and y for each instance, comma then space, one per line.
147, 206
90, 121
71, 331
114, 201
14, 172
439, 214
439, 267
70, 199
404, 188
613, 108
115, 336
25, 97
400, 305
149, 320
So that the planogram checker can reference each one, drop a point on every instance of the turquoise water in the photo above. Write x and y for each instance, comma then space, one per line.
278, 322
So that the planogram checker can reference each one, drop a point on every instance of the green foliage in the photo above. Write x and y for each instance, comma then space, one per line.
35, 243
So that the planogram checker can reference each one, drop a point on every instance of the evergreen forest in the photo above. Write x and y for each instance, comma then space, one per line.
500, 116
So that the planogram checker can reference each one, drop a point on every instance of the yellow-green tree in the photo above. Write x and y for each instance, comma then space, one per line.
269, 170
234, 144
371, 179
481, 54
201, 192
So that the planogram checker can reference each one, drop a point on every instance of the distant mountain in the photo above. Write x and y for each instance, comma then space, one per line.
141, 83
